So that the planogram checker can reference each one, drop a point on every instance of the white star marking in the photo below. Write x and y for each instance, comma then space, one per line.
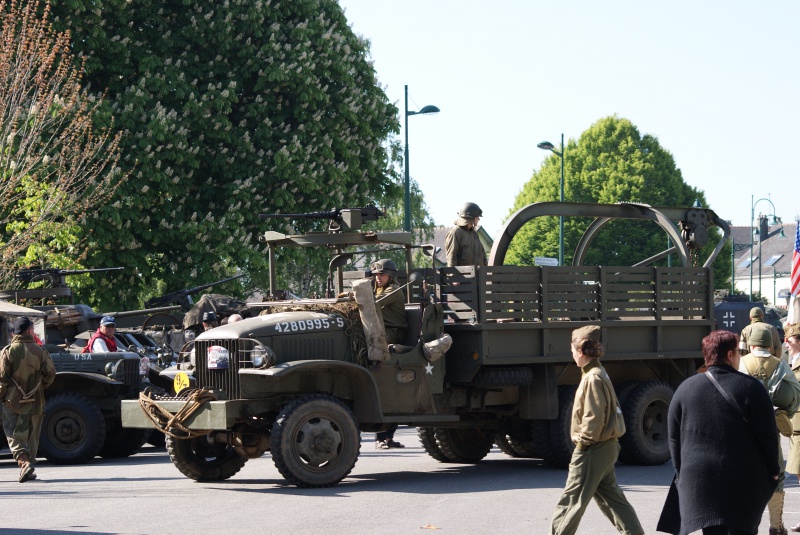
429, 369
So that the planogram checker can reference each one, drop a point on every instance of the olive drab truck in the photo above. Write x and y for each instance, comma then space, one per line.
305, 377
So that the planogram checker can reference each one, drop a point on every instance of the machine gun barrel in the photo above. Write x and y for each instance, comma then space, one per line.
56, 276
332, 215
183, 297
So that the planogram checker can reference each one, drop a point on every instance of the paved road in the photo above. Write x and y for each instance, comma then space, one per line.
388, 492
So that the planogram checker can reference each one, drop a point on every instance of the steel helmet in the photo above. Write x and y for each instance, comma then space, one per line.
470, 210
384, 266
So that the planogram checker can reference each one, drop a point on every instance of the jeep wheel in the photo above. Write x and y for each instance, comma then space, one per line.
73, 430
123, 442
645, 408
204, 459
464, 445
557, 451
428, 441
315, 441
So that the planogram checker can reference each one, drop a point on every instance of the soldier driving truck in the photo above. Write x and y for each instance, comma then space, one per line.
305, 377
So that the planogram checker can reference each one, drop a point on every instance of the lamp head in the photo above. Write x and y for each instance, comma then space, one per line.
546, 145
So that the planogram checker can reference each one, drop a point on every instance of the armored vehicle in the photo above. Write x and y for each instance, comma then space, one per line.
301, 382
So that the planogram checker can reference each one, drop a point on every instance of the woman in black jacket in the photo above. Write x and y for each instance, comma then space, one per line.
726, 464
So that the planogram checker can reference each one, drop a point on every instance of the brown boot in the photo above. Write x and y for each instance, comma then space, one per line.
26, 470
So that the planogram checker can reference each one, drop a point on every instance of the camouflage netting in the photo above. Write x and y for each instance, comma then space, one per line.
353, 327
222, 305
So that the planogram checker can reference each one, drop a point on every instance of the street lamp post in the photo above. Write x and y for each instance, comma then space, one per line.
761, 238
546, 145
734, 249
427, 110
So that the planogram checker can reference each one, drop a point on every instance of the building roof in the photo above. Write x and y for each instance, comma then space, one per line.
773, 251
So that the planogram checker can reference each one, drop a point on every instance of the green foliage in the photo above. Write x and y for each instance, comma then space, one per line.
231, 108
610, 163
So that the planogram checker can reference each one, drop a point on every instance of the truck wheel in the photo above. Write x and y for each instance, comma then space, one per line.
645, 409
503, 441
464, 445
428, 441
204, 459
524, 446
557, 452
123, 442
315, 441
540, 431
73, 430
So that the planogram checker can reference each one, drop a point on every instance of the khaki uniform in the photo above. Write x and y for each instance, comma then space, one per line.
597, 422
393, 312
463, 247
755, 364
793, 463
26, 369
776, 349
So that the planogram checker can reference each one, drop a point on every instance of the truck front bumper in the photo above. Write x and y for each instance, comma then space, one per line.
213, 415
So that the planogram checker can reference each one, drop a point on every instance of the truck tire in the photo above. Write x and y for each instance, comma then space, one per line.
645, 409
428, 441
203, 459
73, 430
123, 442
464, 445
557, 452
515, 445
315, 441
503, 441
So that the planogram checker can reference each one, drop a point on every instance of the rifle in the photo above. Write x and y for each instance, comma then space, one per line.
184, 297
56, 276
347, 219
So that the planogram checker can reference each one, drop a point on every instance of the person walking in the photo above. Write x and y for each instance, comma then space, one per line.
26, 369
597, 423
793, 462
723, 441
462, 245
784, 391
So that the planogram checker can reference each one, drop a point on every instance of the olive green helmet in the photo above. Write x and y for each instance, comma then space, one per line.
384, 266
470, 210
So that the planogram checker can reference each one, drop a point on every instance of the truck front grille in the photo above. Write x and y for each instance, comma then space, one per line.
225, 379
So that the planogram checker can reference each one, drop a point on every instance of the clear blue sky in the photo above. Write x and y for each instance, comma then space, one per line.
717, 82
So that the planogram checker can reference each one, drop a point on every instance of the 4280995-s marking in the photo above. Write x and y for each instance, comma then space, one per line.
317, 324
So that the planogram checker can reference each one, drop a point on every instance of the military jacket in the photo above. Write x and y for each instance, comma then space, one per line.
463, 247
777, 343
596, 416
781, 376
26, 369
392, 308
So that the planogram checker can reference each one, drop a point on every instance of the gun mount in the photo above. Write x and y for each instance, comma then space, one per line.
183, 298
341, 220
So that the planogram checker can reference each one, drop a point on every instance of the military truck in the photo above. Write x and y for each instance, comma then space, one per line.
299, 383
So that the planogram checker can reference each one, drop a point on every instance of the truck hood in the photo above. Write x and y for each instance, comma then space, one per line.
290, 322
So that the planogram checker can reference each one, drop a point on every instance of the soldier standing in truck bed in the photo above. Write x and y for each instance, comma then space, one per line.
462, 245
757, 323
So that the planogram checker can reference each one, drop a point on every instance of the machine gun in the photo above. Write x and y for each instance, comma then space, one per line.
345, 219
184, 297
56, 276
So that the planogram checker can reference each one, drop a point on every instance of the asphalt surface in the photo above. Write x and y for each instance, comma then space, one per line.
389, 491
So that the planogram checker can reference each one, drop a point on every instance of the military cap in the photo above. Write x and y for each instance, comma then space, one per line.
209, 316
22, 324
756, 312
792, 329
760, 338
592, 332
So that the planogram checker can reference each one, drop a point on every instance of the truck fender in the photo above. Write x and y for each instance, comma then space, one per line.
300, 375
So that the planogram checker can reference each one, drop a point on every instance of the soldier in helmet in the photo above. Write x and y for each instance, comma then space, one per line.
757, 323
394, 321
784, 391
462, 245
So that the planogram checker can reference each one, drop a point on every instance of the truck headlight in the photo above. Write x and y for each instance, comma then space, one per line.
263, 357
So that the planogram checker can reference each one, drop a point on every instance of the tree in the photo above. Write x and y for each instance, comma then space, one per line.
611, 162
232, 108
56, 159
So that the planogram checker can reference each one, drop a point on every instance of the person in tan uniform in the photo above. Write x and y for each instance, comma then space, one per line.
597, 423
757, 323
393, 312
793, 462
462, 245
